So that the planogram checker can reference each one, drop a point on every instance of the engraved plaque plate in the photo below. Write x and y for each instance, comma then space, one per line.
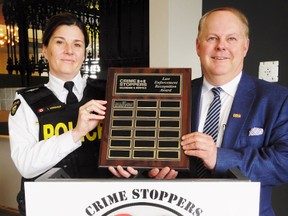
148, 111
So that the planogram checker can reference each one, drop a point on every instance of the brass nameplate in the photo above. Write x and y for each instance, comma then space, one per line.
148, 111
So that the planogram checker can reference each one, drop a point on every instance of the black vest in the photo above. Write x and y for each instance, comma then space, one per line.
56, 118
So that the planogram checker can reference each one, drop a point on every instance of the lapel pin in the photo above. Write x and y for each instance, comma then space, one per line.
236, 115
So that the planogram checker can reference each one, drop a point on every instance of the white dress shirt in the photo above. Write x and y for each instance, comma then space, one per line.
226, 96
31, 156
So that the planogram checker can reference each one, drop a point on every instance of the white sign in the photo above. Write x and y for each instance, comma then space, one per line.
115, 197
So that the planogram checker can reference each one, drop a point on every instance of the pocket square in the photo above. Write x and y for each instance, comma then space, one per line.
256, 131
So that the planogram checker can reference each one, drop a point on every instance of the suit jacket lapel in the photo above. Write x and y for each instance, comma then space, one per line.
240, 109
195, 103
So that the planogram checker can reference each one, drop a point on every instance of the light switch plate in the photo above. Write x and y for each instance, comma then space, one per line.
268, 71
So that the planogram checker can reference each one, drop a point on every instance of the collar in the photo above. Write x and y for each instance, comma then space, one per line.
56, 83
230, 87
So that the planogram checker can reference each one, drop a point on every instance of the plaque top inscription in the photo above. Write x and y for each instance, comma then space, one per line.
148, 84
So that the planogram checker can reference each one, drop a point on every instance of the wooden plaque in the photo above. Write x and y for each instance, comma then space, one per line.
148, 111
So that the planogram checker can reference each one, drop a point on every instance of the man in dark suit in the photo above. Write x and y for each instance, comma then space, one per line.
252, 129
253, 125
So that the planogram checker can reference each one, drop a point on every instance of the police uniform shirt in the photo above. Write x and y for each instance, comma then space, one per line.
31, 156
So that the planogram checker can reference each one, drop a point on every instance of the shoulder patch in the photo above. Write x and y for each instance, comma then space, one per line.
15, 106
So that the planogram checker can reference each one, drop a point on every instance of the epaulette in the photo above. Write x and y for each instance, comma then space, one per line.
29, 89
39, 98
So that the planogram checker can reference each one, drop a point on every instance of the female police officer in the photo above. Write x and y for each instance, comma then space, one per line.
46, 130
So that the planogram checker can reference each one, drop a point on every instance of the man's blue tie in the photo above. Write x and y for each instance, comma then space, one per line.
71, 97
210, 128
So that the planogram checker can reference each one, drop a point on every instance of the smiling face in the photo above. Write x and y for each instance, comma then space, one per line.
65, 52
222, 47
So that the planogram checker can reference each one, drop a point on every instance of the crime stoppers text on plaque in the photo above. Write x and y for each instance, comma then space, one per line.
147, 113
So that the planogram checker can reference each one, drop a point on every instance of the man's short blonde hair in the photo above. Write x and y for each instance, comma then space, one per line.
235, 11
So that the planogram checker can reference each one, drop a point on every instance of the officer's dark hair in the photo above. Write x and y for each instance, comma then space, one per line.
63, 19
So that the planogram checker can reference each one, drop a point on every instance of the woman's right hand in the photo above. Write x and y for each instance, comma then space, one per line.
90, 114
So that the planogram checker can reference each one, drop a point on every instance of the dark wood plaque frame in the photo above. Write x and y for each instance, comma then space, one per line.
148, 111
